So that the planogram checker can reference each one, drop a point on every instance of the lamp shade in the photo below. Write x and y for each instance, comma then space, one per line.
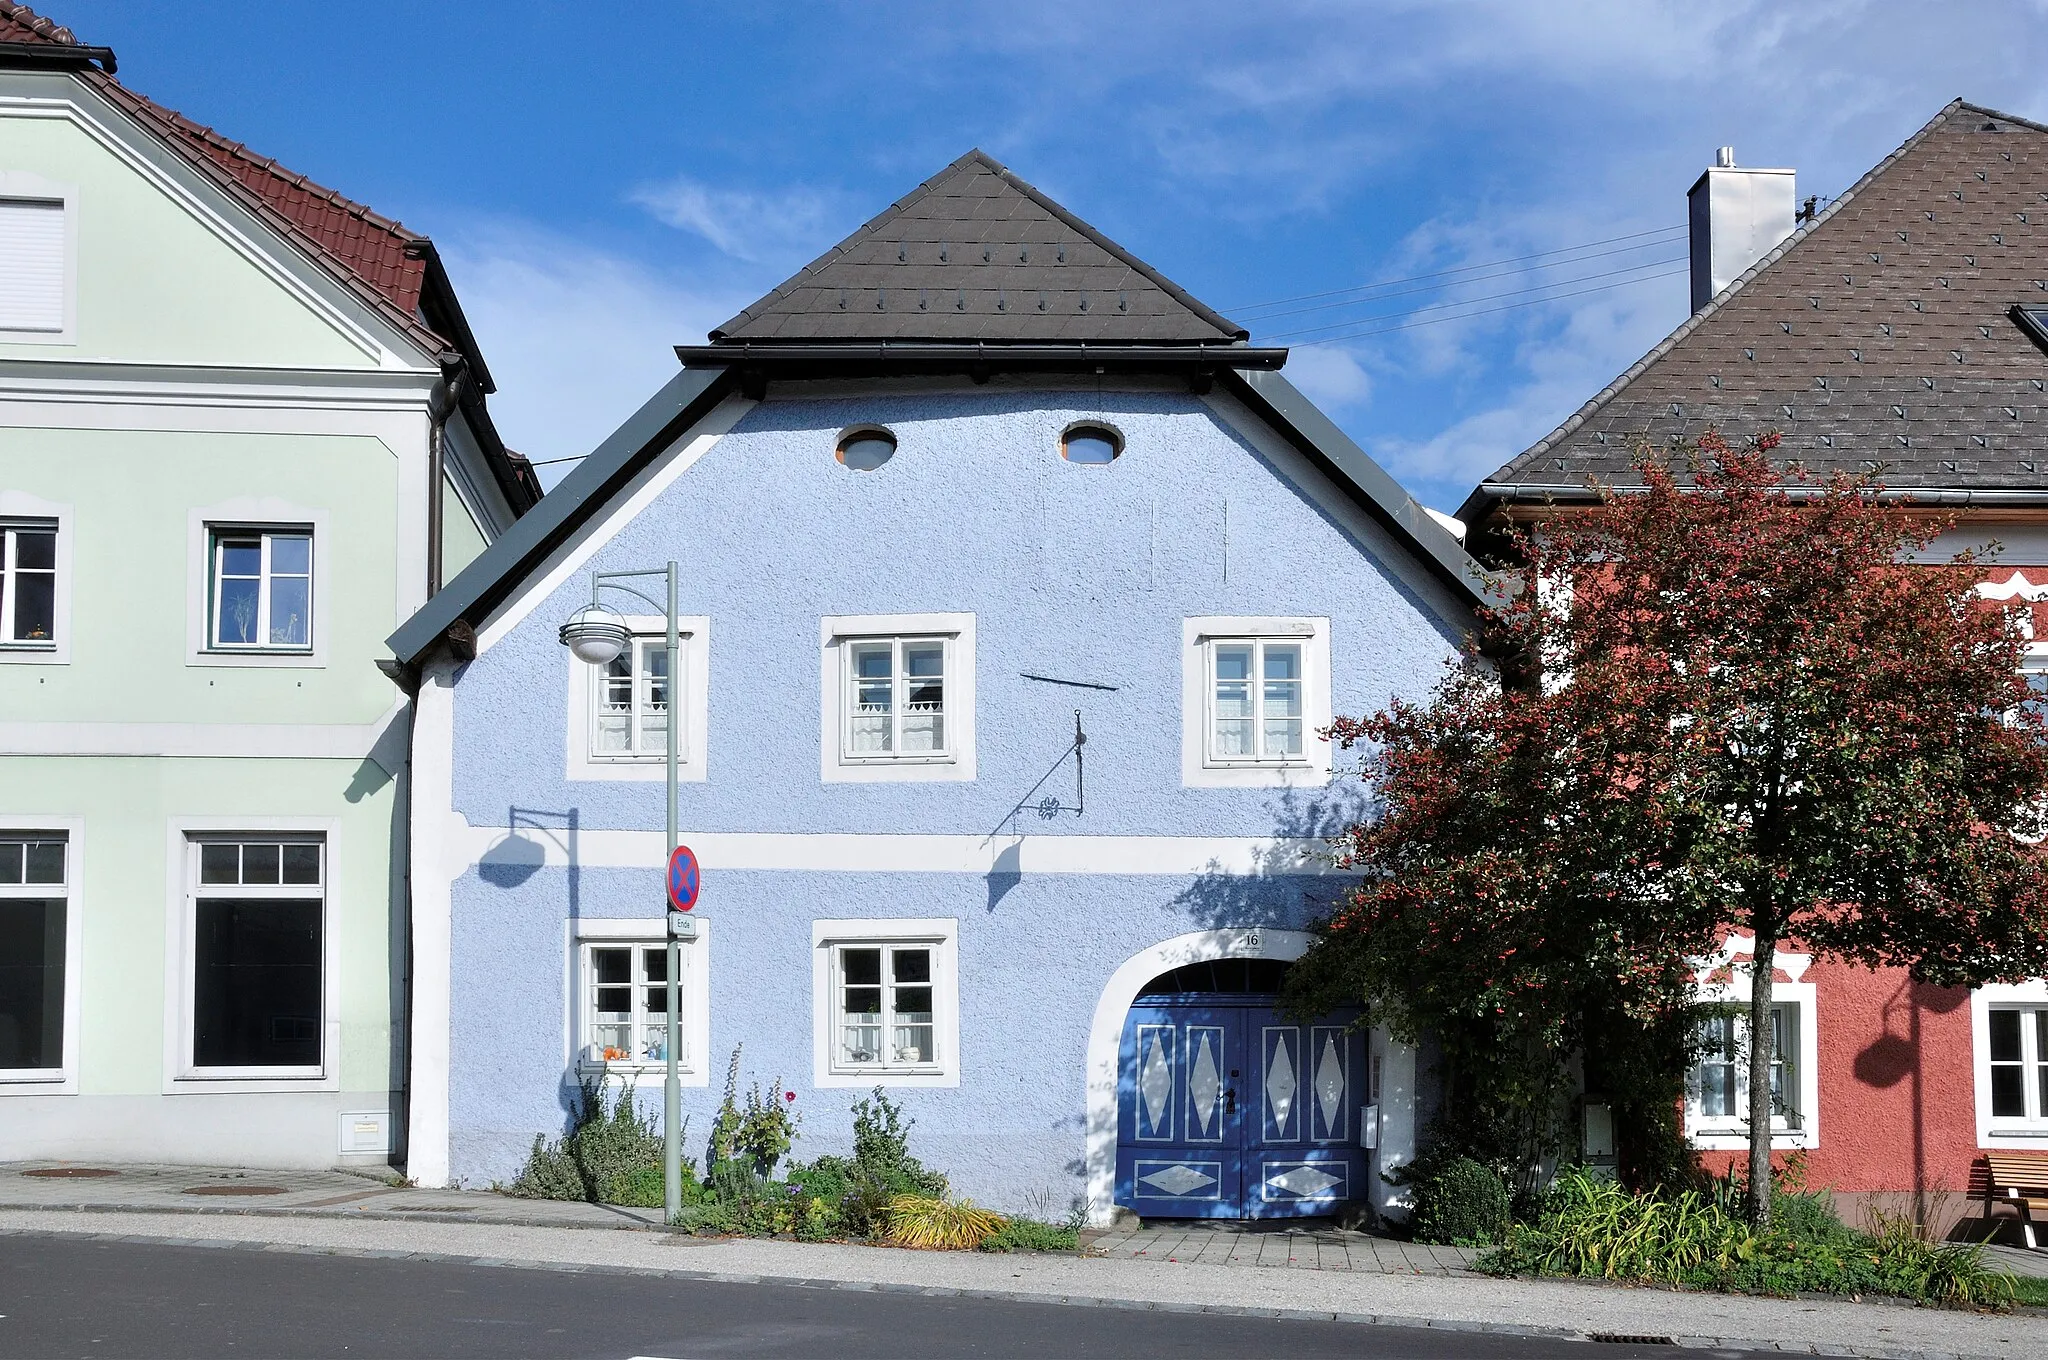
596, 635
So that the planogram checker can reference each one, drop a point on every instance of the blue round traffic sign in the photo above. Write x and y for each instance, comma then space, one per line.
683, 881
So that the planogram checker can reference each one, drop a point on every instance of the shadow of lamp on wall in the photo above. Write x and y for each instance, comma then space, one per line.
511, 859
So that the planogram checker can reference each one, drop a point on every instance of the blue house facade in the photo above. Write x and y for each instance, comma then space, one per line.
1015, 586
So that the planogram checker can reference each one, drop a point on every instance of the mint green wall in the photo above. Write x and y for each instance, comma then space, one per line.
125, 893
154, 282
132, 493
461, 541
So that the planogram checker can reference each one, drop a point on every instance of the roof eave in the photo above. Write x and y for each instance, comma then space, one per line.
976, 359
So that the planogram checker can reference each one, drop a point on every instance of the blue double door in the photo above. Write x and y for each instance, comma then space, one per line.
1225, 1110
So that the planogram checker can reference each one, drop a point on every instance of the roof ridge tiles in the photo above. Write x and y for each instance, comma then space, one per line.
40, 28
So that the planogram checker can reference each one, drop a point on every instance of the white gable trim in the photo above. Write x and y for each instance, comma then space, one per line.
597, 530
286, 266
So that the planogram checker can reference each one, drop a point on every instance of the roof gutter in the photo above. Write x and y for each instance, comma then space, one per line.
56, 54
975, 359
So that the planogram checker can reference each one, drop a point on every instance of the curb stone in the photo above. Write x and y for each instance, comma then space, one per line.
1003, 1295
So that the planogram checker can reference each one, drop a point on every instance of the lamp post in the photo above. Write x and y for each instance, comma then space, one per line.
596, 635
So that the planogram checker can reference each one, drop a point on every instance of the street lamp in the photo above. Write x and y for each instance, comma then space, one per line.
596, 635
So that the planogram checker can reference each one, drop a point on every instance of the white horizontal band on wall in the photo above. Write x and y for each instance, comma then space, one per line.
533, 846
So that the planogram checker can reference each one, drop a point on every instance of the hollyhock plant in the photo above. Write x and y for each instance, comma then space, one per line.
1727, 701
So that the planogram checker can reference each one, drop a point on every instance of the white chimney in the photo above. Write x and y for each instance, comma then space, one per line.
1737, 217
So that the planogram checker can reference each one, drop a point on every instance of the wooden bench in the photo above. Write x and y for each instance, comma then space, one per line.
2019, 1179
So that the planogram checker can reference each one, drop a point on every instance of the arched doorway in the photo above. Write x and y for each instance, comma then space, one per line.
1175, 1022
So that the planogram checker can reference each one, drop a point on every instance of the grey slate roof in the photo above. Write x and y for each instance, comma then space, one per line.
1882, 337
976, 254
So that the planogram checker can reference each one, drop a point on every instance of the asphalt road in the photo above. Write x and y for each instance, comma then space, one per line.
70, 1297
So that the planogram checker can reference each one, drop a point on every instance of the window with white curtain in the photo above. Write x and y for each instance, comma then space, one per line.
1257, 702
631, 701
895, 690
1719, 1094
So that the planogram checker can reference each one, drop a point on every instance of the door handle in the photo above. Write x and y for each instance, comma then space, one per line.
1230, 1100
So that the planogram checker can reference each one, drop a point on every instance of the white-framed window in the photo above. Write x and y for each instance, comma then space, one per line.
629, 712
2016, 1063
619, 713
256, 957
35, 263
1717, 1085
886, 1002
28, 584
1256, 701
1255, 695
898, 697
39, 939
260, 589
1719, 1088
2009, 1041
895, 696
619, 999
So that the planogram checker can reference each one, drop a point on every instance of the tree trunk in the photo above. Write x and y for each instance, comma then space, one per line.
1762, 968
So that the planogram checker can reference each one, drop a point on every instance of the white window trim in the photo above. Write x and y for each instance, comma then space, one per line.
957, 765
265, 514
58, 1081
1197, 768
692, 765
22, 505
944, 934
1727, 1135
180, 923
2001, 1132
695, 1068
23, 184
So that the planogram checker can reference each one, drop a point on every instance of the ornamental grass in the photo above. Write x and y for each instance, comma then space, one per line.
941, 1225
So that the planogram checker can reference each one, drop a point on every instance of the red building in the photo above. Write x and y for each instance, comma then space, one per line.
1902, 330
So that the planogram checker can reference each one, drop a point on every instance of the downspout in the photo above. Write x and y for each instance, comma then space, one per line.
447, 395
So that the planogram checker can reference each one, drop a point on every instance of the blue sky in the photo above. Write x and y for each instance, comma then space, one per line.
608, 180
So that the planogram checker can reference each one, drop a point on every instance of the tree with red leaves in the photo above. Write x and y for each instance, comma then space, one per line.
1716, 704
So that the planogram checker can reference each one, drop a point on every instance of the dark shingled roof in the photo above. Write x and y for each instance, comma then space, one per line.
976, 254
1886, 336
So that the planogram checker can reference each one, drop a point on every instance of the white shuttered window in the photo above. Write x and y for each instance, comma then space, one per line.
31, 265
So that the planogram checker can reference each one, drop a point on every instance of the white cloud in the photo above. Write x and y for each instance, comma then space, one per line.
1330, 376
576, 337
746, 224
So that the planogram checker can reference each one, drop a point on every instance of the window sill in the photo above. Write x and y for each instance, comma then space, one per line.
257, 658
2023, 1131
894, 1076
871, 762
1216, 764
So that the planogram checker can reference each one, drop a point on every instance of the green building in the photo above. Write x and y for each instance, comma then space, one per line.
242, 437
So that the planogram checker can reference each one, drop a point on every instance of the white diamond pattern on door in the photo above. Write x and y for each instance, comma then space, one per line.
1180, 1180
1205, 1084
1332, 1080
1155, 1082
1282, 1085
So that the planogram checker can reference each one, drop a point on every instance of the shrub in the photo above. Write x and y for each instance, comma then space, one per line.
1591, 1227
758, 1134
881, 1149
608, 1152
940, 1224
1461, 1201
